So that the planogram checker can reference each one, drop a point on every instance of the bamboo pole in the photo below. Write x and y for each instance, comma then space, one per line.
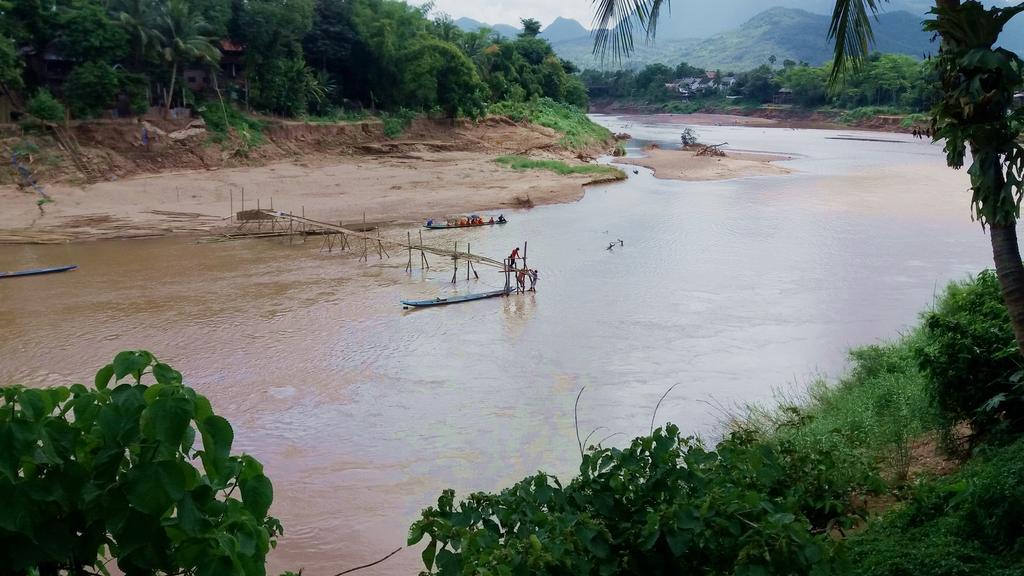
408, 241
455, 261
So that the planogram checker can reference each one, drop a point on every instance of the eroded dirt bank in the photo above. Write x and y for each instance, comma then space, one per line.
111, 183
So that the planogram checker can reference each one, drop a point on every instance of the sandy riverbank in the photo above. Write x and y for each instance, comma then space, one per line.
406, 187
687, 165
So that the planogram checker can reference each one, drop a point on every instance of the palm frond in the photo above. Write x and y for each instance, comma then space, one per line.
615, 21
852, 32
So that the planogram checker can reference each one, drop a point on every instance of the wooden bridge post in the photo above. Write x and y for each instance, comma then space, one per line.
408, 242
364, 238
231, 206
455, 261
424, 263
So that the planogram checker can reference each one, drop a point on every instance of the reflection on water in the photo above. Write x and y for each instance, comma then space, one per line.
363, 412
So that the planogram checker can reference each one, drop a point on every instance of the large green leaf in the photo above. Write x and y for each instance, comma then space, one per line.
217, 438
154, 488
257, 495
166, 421
131, 362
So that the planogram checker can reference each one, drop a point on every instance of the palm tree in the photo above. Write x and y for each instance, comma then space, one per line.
975, 112
186, 38
138, 18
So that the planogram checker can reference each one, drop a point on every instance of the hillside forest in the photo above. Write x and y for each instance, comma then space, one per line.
294, 58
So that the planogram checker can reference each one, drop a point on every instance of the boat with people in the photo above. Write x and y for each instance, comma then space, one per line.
37, 271
455, 299
464, 222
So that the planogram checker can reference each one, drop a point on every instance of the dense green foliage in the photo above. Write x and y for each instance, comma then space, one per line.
899, 82
90, 87
967, 524
970, 356
558, 166
112, 472
879, 407
297, 56
578, 131
663, 505
45, 107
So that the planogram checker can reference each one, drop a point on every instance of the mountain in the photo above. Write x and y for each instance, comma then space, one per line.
706, 19
786, 33
564, 29
470, 25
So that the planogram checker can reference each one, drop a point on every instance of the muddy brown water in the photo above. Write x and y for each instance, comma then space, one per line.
363, 412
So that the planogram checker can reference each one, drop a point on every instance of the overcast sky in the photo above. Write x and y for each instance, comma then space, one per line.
510, 11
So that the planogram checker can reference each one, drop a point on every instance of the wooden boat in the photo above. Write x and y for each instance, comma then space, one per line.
432, 225
37, 271
454, 299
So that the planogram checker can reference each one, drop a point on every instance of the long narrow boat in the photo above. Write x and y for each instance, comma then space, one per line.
430, 225
37, 271
454, 299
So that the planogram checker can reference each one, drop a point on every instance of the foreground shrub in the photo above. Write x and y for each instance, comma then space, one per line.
45, 107
969, 354
964, 525
86, 472
91, 88
664, 505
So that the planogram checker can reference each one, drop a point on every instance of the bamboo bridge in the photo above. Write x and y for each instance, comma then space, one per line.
273, 223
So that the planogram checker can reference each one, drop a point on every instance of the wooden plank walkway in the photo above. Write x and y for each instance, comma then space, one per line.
383, 242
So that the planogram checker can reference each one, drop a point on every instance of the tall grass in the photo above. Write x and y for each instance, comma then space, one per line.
880, 406
221, 121
578, 131
559, 167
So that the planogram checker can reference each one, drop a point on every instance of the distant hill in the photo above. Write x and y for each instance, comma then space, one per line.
786, 33
563, 30
470, 25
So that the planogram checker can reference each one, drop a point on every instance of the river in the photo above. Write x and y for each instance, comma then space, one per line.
363, 412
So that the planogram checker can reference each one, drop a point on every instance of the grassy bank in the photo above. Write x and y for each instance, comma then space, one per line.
559, 167
578, 131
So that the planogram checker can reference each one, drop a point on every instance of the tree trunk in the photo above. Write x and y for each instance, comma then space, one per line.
1010, 271
170, 92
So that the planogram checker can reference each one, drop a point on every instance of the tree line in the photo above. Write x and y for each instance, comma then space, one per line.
297, 57
892, 80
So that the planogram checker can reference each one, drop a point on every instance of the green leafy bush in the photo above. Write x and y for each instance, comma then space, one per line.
91, 88
664, 505
578, 131
879, 407
224, 120
45, 107
559, 167
969, 354
963, 525
395, 123
87, 472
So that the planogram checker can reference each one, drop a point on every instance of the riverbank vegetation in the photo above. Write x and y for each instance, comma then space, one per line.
294, 58
856, 477
560, 167
887, 84
113, 472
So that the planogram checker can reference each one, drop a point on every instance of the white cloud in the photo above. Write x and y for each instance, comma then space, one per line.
510, 11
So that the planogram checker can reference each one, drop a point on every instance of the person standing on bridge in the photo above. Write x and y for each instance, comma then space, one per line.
513, 257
